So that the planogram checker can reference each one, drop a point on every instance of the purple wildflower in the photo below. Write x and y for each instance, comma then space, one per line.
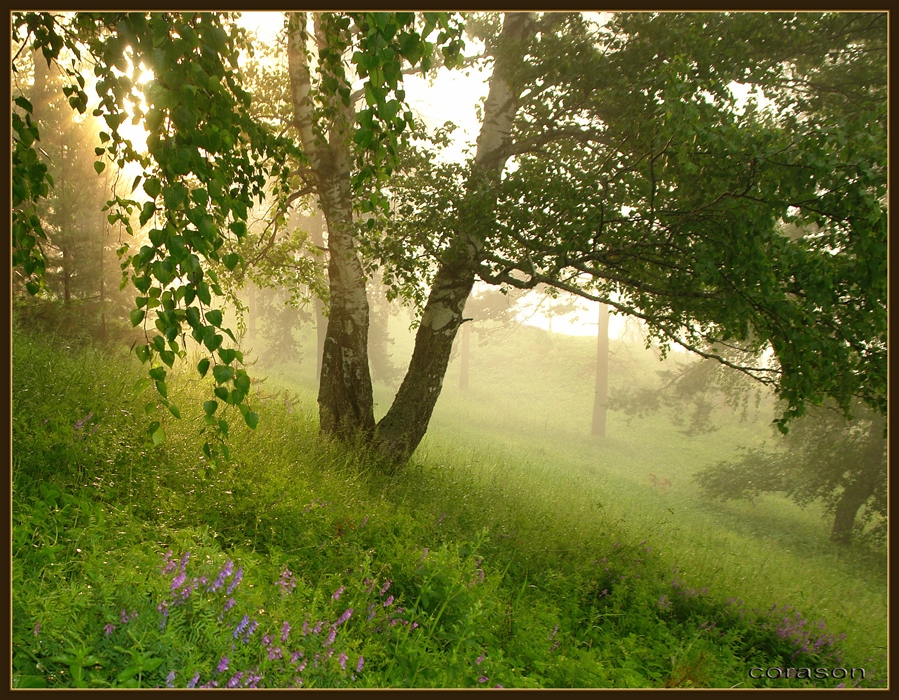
229, 604
225, 573
483, 679
235, 582
169, 680
274, 653
371, 611
37, 629
346, 616
555, 629
389, 601
241, 626
287, 582
479, 660
317, 628
386, 586
193, 681
359, 664
223, 665
266, 640
178, 581
109, 629
342, 659
337, 593
285, 630
235, 679
332, 635
305, 628
362, 524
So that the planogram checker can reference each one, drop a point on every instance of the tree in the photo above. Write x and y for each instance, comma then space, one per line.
601, 398
638, 181
641, 183
825, 458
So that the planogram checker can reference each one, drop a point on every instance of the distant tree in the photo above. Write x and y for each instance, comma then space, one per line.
601, 394
490, 311
825, 458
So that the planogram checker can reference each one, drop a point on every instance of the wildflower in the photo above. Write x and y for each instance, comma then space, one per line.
193, 681
332, 635
274, 653
285, 630
235, 679
251, 629
499, 685
287, 581
342, 659
479, 660
388, 601
346, 616
37, 629
301, 666
178, 581
483, 679
169, 680
305, 628
109, 629
229, 604
235, 582
386, 586
223, 665
359, 664
317, 628
605, 592
664, 603
371, 611
241, 626
555, 629
362, 524
337, 593
184, 560
225, 573
266, 640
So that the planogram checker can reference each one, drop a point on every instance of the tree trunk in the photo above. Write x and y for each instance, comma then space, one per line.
401, 430
316, 231
872, 462
346, 403
853, 498
463, 356
601, 398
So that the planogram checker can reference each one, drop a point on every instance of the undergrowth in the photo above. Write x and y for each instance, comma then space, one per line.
299, 564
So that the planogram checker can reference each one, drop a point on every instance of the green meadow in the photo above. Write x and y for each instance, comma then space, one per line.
515, 550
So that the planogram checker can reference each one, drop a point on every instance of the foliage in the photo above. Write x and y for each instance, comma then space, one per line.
641, 182
823, 458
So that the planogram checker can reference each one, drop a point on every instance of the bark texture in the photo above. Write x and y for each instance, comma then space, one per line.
403, 427
346, 405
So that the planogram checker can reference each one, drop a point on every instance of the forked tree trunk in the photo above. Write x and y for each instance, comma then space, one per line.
346, 404
403, 427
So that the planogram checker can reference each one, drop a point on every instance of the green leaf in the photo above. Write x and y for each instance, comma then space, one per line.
142, 352
99, 166
209, 407
137, 315
175, 411
223, 426
222, 373
214, 316
141, 385
203, 366
252, 419
163, 389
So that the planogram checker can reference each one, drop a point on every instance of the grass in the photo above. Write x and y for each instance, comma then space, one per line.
514, 550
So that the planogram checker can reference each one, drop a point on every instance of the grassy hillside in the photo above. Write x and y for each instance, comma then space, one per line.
514, 550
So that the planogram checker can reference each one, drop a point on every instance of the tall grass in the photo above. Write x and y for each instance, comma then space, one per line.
500, 556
